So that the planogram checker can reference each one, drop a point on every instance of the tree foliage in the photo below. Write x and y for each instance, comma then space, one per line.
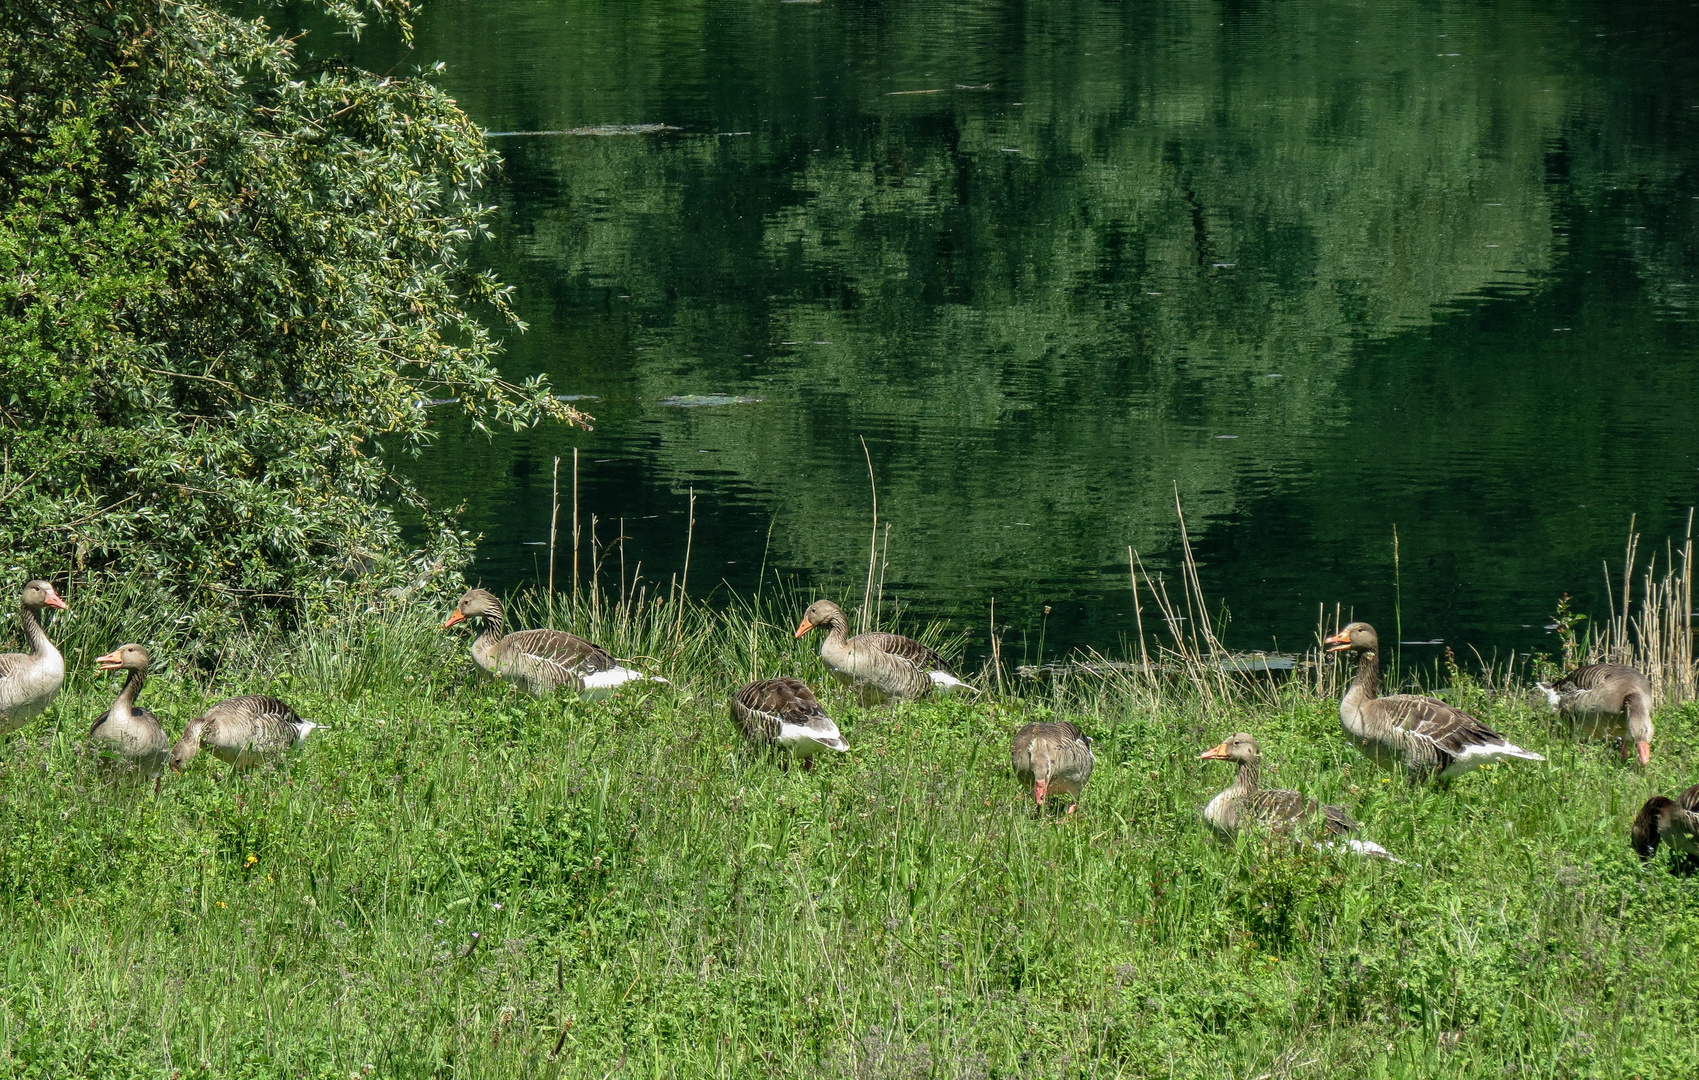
232, 290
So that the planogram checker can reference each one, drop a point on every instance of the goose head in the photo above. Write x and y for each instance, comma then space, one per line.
821, 613
1355, 637
476, 604
1241, 747
185, 749
40, 594
125, 658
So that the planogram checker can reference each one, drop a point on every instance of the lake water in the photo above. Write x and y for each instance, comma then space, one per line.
1326, 269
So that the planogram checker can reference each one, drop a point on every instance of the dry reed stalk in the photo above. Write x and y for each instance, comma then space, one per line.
684, 585
872, 544
1138, 610
554, 518
574, 529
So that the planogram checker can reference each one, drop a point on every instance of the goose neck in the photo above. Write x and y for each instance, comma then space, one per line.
1249, 778
132, 690
1366, 686
32, 630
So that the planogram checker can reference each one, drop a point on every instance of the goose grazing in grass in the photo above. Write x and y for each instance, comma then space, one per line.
539, 660
1606, 701
242, 732
30, 681
785, 715
1053, 756
127, 734
880, 666
1424, 735
1247, 803
1675, 822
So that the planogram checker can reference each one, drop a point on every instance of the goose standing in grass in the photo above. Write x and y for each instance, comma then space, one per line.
539, 660
127, 734
1423, 735
785, 715
1247, 803
1053, 756
30, 681
242, 732
1675, 822
880, 666
1606, 701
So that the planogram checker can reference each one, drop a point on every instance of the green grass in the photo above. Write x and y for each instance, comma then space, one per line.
653, 901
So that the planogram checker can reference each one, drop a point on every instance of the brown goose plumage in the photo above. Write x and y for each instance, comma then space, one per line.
539, 660
784, 714
1607, 701
1423, 735
127, 734
880, 666
242, 731
30, 681
1247, 804
1675, 822
1053, 756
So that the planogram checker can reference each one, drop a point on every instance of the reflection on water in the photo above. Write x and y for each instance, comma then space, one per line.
1323, 269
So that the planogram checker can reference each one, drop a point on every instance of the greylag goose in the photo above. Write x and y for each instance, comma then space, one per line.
880, 666
1247, 803
539, 660
127, 733
30, 681
785, 714
1053, 756
1424, 735
1675, 822
1607, 701
242, 731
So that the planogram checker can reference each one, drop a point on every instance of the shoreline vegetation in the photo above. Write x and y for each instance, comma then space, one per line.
458, 879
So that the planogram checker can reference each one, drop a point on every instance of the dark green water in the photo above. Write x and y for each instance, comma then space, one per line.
1329, 268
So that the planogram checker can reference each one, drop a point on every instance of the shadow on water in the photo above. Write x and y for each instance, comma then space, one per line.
1327, 269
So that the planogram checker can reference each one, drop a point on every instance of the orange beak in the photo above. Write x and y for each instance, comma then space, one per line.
110, 662
1041, 789
1645, 749
804, 628
1338, 642
1219, 753
54, 601
455, 619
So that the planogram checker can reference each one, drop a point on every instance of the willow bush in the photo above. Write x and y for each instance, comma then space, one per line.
232, 291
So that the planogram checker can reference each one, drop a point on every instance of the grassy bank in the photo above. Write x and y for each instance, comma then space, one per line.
457, 880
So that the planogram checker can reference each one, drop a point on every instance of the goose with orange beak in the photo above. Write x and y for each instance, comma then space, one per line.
539, 661
1424, 736
30, 681
882, 667
1247, 804
1053, 756
1606, 701
128, 735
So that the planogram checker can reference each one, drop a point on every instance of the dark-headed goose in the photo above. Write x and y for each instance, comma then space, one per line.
1607, 701
1675, 822
539, 660
1053, 756
784, 714
30, 681
1247, 803
127, 733
1423, 735
880, 666
242, 731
